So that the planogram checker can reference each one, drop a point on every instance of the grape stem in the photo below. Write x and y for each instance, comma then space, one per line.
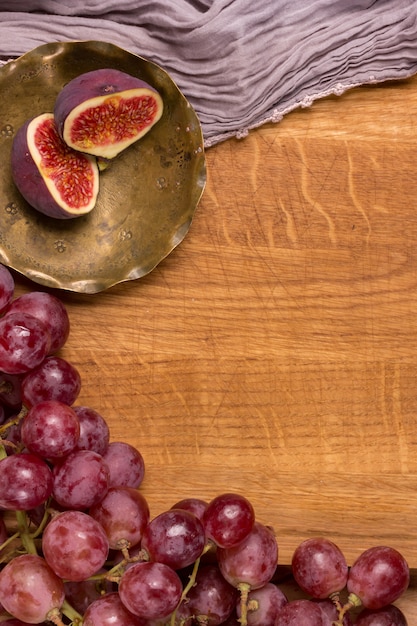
191, 581
71, 613
189, 585
25, 536
54, 616
5, 427
124, 546
15, 420
7, 542
43, 523
244, 589
342, 609
114, 574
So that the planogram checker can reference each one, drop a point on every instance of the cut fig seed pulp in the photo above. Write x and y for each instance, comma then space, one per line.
113, 120
52, 177
70, 172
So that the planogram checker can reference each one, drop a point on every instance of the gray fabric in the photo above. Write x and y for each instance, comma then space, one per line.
240, 63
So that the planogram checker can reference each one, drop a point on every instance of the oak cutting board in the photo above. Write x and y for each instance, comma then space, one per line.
274, 352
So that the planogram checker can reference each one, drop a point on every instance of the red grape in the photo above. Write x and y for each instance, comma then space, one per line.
29, 589
175, 537
253, 561
6, 288
228, 519
267, 601
299, 613
50, 429
319, 567
81, 480
94, 431
378, 577
387, 616
124, 514
193, 505
53, 379
150, 590
75, 545
26, 482
24, 343
211, 596
110, 611
49, 310
126, 465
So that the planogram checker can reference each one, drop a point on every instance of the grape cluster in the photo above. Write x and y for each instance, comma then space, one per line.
78, 544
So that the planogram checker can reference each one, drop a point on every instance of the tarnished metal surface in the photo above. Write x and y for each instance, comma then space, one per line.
148, 194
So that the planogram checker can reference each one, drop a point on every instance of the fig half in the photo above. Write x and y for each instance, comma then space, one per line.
52, 177
104, 111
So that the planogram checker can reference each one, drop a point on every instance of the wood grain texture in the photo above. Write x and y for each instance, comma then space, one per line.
274, 352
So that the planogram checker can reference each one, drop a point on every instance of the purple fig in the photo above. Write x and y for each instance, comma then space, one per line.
104, 111
52, 177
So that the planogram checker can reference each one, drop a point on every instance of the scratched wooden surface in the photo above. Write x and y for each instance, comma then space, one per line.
274, 352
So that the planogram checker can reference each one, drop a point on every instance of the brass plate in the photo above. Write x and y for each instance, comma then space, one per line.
147, 196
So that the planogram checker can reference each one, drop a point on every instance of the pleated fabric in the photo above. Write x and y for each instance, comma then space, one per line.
240, 63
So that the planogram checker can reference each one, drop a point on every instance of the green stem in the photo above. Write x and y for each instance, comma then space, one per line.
244, 589
42, 525
189, 585
25, 536
15, 420
117, 570
8, 540
342, 609
353, 601
191, 582
71, 613
54, 616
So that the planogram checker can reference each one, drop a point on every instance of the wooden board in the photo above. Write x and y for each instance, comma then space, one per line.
274, 352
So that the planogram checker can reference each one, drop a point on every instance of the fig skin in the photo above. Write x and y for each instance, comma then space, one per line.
94, 86
30, 182
26, 175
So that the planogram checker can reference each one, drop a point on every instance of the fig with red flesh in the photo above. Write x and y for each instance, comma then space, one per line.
52, 177
104, 111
